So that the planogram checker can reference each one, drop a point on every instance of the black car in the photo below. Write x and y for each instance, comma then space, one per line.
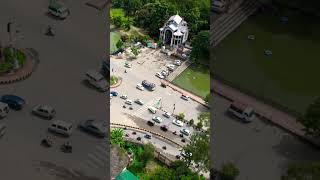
14, 102
93, 127
150, 123
164, 128
139, 138
148, 136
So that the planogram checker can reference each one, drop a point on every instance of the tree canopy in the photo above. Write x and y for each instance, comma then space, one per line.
303, 171
311, 119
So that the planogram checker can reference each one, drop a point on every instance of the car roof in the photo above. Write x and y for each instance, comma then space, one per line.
62, 123
13, 97
46, 107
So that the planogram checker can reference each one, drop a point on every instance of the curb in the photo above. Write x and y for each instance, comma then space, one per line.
23, 76
144, 130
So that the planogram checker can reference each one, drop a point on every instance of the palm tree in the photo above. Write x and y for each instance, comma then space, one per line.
117, 136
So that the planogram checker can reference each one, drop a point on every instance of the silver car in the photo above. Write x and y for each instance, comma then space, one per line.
44, 111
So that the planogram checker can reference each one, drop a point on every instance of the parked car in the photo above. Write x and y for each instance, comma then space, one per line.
159, 75
124, 96
4, 109
165, 73
61, 127
148, 136
166, 114
185, 131
185, 154
45, 111
153, 110
157, 119
148, 85
3, 128
14, 102
129, 102
177, 122
139, 138
127, 65
114, 93
58, 9
185, 97
241, 111
177, 62
139, 101
150, 123
140, 87
93, 127
97, 80
164, 128
170, 67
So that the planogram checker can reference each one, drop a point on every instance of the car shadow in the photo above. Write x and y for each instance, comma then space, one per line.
51, 16
233, 117
88, 85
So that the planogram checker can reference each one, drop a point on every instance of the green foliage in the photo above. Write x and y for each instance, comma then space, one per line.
207, 98
117, 136
204, 118
200, 46
6, 67
229, 172
163, 173
311, 118
191, 122
119, 44
181, 116
114, 79
303, 171
199, 146
119, 19
135, 51
148, 153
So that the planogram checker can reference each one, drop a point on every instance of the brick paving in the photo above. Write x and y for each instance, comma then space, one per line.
277, 117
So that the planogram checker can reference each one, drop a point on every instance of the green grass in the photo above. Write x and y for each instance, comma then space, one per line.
290, 76
196, 79
114, 38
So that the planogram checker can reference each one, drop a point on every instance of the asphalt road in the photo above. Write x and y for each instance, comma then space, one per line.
79, 45
259, 149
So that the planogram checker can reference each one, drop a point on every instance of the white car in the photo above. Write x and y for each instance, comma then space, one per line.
177, 62
159, 75
153, 110
166, 114
185, 97
184, 154
165, 72
139, 101
185, 131
157, 119
177, 122
140, 87
124, 97
128, 65
171, 67
129, 102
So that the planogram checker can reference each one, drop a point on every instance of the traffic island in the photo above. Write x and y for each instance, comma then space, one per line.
115, 81
9, 74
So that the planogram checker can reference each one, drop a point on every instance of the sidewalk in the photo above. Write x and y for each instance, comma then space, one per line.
182, 91
277, 117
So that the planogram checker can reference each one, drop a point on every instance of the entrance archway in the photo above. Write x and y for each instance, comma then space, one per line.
168, 37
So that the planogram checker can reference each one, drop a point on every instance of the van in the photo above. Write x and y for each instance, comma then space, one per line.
241, 111
61, 127
4, 109
153, 110
97, 80
58, 9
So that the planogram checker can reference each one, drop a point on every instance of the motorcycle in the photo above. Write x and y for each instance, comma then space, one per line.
50, 31
47, 142
66, 147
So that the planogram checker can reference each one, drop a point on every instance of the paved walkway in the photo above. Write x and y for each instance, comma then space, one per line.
178, 71
187, 93
282, 119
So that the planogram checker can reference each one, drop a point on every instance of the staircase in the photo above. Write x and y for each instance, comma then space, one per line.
226, 23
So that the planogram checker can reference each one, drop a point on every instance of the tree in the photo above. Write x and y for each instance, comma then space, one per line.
304, 171
162, 173
181, 116
148, 152
117, 136
119, 44
191, 122
199, 125
135, 51
207, 98
311, 119
199, 147
204, 118
229, 172
200, 46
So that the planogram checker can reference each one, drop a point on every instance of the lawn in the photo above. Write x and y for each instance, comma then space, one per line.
196, 79
114, 38
289, 76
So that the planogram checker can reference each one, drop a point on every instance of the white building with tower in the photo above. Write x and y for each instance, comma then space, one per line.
174, 32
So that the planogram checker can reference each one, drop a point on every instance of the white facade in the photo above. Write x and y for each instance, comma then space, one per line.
175, 31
